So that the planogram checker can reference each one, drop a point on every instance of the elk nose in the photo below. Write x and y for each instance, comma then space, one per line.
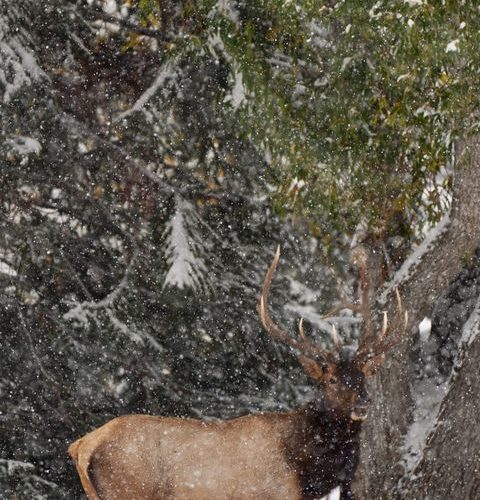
361, 408
359, 413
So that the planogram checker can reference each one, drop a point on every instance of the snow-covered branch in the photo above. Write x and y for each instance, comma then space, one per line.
165, 74
187, 268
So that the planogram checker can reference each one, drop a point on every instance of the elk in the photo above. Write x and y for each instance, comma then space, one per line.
300, 454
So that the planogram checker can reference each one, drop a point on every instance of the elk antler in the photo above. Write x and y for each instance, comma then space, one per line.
304, 346
335, 339
373, 347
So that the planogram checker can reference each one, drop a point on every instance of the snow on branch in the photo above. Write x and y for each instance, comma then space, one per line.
237, 95
7, 270
88, 310
186, 266
23, 145
238, 92
166, 73
11, 468
18, 66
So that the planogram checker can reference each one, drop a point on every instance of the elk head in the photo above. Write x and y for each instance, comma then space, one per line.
342, 382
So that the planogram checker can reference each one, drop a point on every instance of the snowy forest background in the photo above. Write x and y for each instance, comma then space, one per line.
152, 156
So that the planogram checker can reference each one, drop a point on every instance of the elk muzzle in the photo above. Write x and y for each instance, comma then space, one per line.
360, 410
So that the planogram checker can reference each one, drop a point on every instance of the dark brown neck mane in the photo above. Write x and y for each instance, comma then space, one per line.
323, 448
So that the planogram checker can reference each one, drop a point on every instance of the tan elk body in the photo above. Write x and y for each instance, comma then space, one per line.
301, 454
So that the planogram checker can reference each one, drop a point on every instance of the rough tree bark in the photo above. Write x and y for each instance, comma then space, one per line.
450, 466
392, 404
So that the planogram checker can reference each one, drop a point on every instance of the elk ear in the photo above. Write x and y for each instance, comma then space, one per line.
312, 368
370, 367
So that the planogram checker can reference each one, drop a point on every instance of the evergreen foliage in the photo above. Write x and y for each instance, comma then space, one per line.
355, 105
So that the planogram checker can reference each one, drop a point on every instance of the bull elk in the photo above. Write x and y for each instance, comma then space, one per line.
300, 454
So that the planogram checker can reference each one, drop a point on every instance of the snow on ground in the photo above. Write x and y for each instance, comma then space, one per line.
424, 329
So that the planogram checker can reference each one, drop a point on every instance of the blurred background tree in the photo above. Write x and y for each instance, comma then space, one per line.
154, 153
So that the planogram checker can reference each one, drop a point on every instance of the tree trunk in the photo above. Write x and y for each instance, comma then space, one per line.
420, 283
450, 467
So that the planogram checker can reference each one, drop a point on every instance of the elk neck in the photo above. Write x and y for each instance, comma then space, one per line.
318, 415
322, 445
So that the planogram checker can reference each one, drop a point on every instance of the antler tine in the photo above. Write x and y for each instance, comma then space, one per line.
398, 335
274, 330
337, 309
270, 327
300, 329
336, 341
399, 303
384, 331
305, 347
389, 337
398, 331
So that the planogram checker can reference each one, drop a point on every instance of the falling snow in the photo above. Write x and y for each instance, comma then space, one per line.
153, 156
